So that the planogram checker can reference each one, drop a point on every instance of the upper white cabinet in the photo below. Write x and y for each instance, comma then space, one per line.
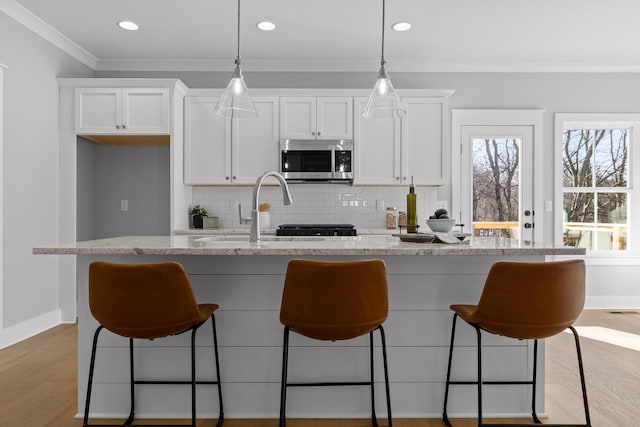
391, 151
377, 147
310, 117
101, 111
224, 151
423, 141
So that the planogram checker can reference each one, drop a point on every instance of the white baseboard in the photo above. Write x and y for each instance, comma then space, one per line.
28, 328
612, 302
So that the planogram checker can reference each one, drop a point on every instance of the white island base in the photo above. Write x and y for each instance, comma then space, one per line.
248, 290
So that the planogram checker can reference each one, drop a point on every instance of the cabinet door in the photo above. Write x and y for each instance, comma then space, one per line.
207, 143
377, 148
298, 117
98, 110
145, 111
255, 142
334, 117
423, 153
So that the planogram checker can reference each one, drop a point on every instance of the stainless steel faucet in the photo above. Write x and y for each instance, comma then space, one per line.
254, 235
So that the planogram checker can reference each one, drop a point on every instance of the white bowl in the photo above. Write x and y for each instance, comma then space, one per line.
441, 225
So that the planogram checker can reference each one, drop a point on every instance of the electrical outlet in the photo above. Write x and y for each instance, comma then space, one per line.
548, 206
379, 205
124, 205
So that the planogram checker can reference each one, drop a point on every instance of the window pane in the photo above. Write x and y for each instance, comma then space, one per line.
577, 157
612, 208
578, 207
610, 159
496, 184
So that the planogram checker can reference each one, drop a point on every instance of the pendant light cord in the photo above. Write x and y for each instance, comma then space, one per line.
382, 61
238, 55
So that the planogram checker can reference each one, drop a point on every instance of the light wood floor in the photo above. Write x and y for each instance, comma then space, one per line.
38, 382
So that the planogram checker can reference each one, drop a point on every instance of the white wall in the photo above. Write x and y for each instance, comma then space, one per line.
109, 174
30, 210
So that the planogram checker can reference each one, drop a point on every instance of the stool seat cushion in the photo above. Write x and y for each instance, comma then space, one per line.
144, 301
334, 300
528, 300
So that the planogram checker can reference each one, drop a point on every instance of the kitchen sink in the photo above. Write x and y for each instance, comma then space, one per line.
245, 238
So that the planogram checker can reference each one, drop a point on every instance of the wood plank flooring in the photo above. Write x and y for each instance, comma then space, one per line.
38, 382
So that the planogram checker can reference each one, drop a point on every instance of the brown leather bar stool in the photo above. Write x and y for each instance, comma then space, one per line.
148, 301
331, 301
524, 301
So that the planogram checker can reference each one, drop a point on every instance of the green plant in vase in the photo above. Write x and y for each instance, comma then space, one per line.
197, 213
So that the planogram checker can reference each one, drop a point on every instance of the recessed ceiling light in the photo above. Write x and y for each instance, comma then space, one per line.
128, 25
266, 26
401, 26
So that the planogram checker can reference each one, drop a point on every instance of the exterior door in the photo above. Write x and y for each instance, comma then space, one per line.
496, 179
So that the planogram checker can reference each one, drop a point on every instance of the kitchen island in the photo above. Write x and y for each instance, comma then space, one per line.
246, 280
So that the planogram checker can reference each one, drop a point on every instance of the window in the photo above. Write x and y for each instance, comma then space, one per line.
596, 179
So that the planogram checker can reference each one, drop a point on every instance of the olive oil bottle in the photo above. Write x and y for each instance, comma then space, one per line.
412, 216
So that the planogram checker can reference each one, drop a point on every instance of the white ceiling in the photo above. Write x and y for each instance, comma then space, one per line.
447, 35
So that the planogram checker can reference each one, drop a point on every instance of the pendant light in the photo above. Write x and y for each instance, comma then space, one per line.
236, 102
384, 101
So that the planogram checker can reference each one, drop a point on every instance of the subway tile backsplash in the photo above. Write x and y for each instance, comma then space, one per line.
365, 207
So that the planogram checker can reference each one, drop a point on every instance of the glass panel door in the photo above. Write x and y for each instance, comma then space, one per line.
496, 181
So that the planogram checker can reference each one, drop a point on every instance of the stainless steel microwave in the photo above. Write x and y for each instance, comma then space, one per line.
316, 159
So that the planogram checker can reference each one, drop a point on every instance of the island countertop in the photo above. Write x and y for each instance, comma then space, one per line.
367, 245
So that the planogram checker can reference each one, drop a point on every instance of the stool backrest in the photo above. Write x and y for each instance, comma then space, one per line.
334, 300
531, 300
142, 300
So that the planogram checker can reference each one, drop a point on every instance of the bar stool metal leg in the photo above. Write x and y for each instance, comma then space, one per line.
445, 417
92, 364
386, 375
479, 338
219, 380
283, 381
374, 419
131, 385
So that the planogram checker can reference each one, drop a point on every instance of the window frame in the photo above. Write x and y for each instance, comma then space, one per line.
601, 121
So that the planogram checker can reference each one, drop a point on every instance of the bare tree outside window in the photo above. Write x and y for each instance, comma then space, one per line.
496, 186
595, 175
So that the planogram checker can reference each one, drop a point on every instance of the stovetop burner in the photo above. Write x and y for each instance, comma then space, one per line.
316, 230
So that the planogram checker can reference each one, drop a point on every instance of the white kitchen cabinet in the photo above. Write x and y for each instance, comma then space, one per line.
377, 148
390, 151
311, 117
130, 111
224, 151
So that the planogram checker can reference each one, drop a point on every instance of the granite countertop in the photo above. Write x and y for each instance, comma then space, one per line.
237, 244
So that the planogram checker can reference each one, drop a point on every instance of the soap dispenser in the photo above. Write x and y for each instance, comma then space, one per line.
412, 216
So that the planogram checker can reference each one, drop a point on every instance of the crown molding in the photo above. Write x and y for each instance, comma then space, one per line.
47, 32
417, 66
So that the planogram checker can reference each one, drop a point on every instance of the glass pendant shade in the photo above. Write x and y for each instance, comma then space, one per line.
384, 101
236, 102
